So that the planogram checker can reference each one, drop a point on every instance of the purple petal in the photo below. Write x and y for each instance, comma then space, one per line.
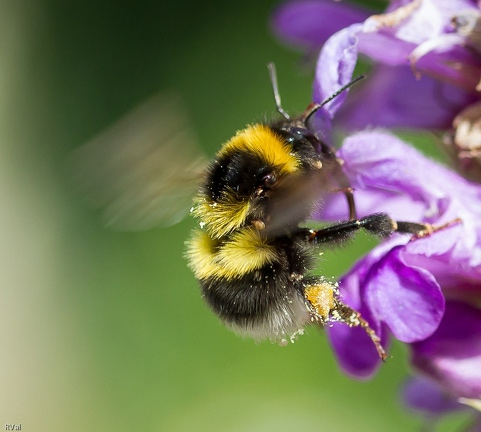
385, 174
456, 278
452, 255
335, 67
402, 207
438, 246
421, 21
453, 64
422, 35
308, 24
390, 176
381, 160
381, 163
407, 298
394, 52
394, 97
423, 394
452, 355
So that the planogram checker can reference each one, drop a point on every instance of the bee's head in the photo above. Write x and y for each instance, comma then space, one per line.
246, 174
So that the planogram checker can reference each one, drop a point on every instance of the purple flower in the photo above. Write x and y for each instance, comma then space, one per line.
427, 55
402, 285
425, 292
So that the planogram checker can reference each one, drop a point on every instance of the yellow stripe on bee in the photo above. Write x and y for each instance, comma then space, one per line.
262, 141
200, 251
222, 217
244, 252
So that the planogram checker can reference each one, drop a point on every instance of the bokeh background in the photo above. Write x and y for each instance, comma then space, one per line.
107, 331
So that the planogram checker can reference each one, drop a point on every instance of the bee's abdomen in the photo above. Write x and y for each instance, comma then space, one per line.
253, 285
250, 296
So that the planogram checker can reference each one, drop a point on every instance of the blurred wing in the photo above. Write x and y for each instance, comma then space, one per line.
295, 199
144, 170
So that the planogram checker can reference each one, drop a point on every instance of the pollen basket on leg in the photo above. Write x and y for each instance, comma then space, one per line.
321, 296
243, 252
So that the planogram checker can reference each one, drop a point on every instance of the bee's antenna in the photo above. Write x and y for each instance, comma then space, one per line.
275, 88
311, 109
344, 87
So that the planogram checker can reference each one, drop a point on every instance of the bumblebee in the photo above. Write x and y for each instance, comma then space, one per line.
252, 257
252, 254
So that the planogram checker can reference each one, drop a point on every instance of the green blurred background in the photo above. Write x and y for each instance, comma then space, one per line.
107, 331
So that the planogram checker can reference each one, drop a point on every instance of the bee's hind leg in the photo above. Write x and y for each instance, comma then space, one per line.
323, 298
354, 319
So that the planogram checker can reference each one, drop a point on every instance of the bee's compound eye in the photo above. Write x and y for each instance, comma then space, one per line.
266, 179
269, 180
301, 133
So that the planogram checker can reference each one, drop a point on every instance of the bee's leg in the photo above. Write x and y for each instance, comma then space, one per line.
323, 299
379, 224
354, 319
422, 230
337, 178
348, 192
